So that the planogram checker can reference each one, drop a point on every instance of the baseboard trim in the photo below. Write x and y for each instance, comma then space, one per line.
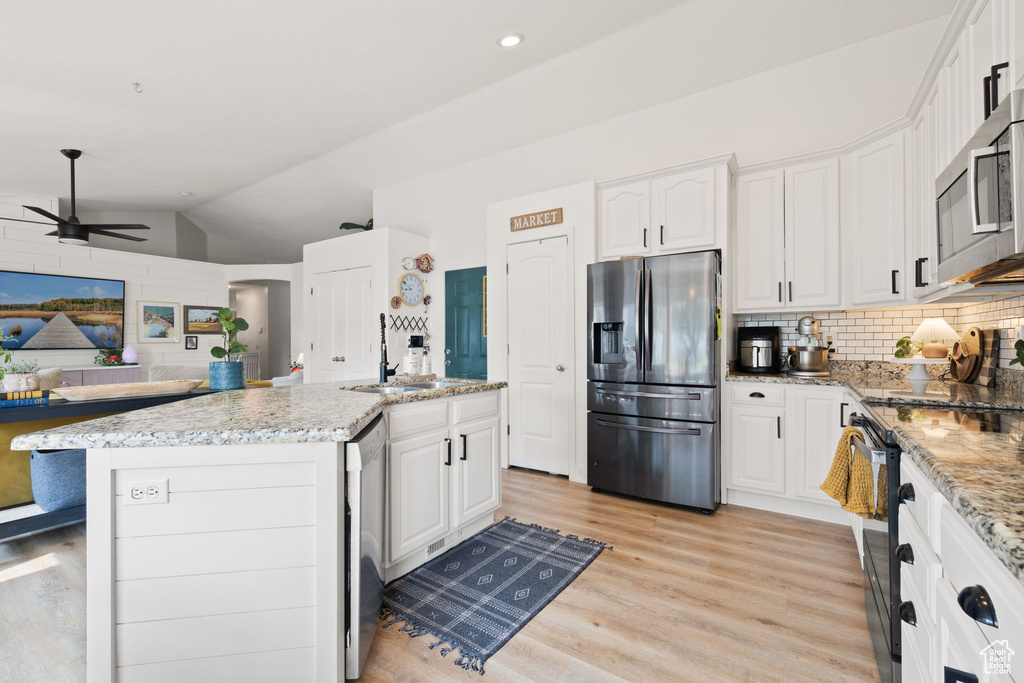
823, 512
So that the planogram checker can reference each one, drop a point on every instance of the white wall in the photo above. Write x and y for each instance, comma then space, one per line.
191, 240
151, 278
251, 303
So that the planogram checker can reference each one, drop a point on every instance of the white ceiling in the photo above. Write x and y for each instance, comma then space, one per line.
284, 116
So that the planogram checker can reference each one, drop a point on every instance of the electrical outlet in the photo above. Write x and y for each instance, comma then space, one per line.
145, 492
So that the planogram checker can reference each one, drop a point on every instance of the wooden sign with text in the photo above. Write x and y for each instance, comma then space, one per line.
535, 220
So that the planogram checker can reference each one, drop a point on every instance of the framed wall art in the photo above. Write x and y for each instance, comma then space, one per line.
159, 321
202, 320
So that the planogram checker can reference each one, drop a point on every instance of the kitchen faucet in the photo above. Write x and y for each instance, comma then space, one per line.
385, 371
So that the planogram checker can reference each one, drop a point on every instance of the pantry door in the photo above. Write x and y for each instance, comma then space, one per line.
540, 368
343, 325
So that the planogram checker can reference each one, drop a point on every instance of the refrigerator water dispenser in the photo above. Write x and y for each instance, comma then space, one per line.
608, 348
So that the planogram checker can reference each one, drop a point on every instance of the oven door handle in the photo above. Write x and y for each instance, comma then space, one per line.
870, 453
641, 428
648, 394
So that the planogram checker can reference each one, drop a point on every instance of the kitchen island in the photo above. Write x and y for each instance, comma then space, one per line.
215, 536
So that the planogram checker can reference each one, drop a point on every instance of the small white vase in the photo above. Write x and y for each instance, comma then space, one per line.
21, 381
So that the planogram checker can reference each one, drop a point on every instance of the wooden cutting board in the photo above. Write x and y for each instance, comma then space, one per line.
988, 359
965, 359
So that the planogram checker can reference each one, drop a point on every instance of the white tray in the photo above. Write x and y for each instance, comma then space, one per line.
127, 389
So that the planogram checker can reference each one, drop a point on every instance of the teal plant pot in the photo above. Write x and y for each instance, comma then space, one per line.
227, 375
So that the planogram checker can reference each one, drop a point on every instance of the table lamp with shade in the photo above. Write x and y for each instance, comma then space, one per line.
934, 332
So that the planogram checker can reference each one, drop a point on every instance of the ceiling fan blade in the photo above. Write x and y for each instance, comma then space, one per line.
115, 226
94, 231
22, 220
43, 212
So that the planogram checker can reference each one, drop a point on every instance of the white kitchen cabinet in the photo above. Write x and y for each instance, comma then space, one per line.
625, 219
812, 235
665, 212
418, 491
760, 253
874, 223
758, 459
813, 432
922, 266
476, 479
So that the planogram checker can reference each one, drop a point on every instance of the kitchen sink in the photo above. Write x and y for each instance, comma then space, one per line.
396, 389
433, 385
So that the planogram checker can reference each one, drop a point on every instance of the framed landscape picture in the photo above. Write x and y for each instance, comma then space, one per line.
159, 321
201, 320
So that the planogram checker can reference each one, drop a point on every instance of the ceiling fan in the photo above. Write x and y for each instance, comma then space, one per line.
73, 231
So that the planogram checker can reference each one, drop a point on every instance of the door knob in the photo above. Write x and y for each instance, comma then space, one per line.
447, 362
560, 368
447, 351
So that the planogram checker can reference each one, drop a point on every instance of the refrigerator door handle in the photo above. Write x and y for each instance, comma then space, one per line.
648, 394
649, 336
637, 287
641, 428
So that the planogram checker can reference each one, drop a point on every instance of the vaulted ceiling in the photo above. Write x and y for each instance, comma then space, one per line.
235, 93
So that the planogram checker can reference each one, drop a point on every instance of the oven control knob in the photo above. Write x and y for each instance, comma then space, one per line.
906, 492
907, 613
977, 604
904, 553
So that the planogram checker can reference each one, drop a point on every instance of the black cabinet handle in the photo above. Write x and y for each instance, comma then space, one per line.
977, 604
906, 492
988, 96
996, 68
904, 553
449, 460
780, 292
791, 290
919, 272
908, 613
778, 426
842, 414
894, 274
645, 238
465, 448
756, 394
663, 234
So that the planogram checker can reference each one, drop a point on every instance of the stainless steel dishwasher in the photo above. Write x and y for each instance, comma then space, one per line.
364, 546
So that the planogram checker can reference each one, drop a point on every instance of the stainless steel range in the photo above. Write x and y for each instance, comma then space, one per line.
652, 430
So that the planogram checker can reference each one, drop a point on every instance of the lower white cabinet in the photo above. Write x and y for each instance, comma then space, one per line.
783, 439
444, 470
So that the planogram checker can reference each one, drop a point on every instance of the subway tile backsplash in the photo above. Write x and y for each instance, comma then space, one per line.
871, 334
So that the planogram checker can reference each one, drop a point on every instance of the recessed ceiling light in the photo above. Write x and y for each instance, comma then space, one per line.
185, 194
510, 39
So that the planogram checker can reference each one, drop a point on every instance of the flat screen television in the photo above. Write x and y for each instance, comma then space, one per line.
41, 312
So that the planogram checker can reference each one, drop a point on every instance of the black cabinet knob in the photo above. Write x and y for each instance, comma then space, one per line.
904, 553
977, 604
906, 492
908, 613
756, 394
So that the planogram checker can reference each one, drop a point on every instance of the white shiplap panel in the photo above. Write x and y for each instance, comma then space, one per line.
206, 511
293, 666
218, 477
210, 594
227, 634
85, 267
155, 556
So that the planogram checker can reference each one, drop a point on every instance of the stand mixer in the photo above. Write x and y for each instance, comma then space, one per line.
808, 358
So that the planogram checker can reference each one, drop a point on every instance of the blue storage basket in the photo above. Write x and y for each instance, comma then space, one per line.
58, 479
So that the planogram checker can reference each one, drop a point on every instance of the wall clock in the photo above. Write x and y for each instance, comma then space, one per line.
410, 289
408, 263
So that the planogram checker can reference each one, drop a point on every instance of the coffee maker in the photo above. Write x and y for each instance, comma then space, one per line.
757, 350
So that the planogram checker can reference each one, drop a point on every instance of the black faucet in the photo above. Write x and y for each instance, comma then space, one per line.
385, 371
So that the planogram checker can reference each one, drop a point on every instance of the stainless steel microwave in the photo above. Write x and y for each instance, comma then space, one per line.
980, 204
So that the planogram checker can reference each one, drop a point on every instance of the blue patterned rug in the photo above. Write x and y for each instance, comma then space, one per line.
478, 595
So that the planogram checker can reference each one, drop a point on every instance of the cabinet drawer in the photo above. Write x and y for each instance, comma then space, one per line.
967, 561
918, 641
923, 507
920, 577
759, 394
409, 420
475, 406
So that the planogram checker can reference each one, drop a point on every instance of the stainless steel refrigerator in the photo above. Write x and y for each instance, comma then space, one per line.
652, 426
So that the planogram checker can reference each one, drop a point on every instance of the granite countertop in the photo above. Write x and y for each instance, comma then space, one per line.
882, 388
976, 460
304, 413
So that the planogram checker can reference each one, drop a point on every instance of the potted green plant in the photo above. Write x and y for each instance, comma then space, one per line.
228, 373
22, 376
5, 356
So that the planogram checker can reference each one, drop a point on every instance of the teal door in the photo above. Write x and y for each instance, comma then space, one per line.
465, 338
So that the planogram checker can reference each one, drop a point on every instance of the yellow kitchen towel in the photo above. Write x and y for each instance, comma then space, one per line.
850, 479
882, 505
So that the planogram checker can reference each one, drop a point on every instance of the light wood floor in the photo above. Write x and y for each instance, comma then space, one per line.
742, 595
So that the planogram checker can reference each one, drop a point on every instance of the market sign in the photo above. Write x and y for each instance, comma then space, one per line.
536, 220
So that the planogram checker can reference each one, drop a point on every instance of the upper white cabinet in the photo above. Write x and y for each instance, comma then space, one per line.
787, 238
874, 223
922, 265
671, 211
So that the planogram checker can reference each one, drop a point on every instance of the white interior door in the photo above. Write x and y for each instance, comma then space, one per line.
540, 368
342, 325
